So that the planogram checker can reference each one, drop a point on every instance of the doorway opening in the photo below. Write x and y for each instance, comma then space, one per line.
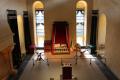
102, 29
81, 22
101, 34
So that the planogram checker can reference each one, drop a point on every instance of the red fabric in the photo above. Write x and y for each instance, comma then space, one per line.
60, 34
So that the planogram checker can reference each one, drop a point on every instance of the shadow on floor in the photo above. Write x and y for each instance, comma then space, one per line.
21, 68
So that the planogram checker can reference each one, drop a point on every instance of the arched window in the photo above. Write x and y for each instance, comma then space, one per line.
38, 13
81, 22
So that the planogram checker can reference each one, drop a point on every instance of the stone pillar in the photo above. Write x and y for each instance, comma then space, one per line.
6, 65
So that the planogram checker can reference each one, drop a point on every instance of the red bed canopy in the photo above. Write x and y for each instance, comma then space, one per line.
60, 36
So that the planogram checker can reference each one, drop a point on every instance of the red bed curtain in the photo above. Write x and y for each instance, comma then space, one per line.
60, 33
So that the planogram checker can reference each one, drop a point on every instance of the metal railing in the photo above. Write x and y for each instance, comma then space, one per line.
74, 59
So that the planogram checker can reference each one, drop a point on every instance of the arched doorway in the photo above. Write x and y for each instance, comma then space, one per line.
81, 22
38, 20
101, 30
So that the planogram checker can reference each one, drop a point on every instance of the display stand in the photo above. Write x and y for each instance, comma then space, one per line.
66, 71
